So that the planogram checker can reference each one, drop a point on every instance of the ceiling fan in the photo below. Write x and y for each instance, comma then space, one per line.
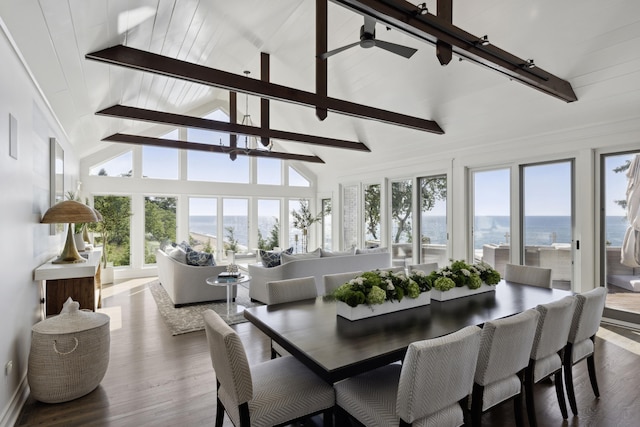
368, 40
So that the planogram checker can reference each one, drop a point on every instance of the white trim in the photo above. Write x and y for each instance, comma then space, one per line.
12, 411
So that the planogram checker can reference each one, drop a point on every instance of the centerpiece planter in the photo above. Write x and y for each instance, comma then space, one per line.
459, 292
363, 311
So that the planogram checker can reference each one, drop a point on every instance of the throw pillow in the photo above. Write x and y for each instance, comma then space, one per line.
272, 258
372, 251
285, 258
178, 254
184, 245
200, 258
350, 251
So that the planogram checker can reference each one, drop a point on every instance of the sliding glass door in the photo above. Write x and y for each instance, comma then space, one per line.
433, 220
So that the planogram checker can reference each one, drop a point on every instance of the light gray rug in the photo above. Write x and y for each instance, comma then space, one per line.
189, 318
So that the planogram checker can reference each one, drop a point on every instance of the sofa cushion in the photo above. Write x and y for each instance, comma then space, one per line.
285, 257
178, 254
372, 251
272, 258
200, 258
324, 253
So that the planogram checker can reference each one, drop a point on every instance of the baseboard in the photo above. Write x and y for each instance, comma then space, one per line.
616, 322
12, 411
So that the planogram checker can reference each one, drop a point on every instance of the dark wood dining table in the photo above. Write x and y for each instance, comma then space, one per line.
336, 348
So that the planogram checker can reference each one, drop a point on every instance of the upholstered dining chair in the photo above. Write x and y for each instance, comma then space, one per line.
281, 291
505, 347
274, 392
333, 281
547, 352
430, 387
528, 275
426, 268
580, 344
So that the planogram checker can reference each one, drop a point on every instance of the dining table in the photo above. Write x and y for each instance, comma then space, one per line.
336, 348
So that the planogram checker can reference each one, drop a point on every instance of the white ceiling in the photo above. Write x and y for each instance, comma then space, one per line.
592, 44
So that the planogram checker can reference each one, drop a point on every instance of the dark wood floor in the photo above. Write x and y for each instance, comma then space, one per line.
155, 379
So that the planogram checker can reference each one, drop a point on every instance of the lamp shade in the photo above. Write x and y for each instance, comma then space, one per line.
69, 211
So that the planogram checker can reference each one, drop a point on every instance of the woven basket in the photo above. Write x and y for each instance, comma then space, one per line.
69, 355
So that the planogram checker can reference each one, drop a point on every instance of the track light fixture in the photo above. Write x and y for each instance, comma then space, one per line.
484, 41
422, 9
530, 64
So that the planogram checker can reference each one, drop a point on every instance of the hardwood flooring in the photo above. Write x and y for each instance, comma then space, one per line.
155, 379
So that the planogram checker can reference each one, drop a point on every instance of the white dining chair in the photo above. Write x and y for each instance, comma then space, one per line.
426, 268
580, 344
547, 352
270, 393
333, 281
430, 387
528, 275
505, 347
288, 290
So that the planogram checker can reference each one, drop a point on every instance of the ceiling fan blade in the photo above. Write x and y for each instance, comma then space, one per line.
405, 51
369, 25
338, 50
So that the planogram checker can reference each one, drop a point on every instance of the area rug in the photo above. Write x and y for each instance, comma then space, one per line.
186, 319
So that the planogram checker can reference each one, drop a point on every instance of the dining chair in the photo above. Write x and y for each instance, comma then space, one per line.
505, 348
426, 268
333, 281
580, 344
547, 352
395, 269
430, 387
288, 290
528, 275
274, 392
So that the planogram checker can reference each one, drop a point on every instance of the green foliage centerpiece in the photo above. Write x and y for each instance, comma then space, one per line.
464, 279
380, 291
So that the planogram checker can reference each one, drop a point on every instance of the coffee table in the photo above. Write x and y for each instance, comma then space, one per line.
232, 308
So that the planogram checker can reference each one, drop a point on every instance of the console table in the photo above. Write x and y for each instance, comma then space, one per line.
80, 281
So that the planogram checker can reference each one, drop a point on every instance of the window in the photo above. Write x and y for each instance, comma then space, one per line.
297, 180
121, 166
203, 224
160, 162
372, 215
269, 171
433, 220
235, 222
326, 224
115, 228
401, 221
492, 217
350, 216
268, 224
159, 225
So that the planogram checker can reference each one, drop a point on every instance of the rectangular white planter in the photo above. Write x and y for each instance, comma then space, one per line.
460, 292
363, 311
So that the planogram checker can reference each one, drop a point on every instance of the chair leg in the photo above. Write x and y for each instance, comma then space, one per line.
568, 378
517, 402
219, 413
342, 417
476, 404
557, 379
591, 365
528, 394
327, 417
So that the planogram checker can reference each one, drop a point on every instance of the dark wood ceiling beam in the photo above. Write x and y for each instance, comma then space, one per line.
444, 50
153, 116
145, 61
182, 145
265, 111
404, 16
321, 47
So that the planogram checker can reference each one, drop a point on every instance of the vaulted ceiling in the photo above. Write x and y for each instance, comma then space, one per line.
590, 44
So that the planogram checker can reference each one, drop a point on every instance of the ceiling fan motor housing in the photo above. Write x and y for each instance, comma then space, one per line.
367, 39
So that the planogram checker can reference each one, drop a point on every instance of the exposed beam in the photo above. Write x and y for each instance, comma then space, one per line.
182, 145
321, 47
171, 67
265, 110
153, 116
403, 16
444, 9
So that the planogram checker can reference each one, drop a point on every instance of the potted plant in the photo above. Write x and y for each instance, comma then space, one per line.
461, 279
303, 219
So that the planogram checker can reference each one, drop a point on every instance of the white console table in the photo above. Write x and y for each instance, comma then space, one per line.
80, 281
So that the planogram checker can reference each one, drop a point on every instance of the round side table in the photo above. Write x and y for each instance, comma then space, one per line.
232, 308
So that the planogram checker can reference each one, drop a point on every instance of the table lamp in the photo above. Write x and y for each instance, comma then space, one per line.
71, 212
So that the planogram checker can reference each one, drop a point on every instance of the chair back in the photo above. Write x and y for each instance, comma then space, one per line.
426, 268
333, 281
437, 373
505, 346
587, 314
281, 291
553, 327
228, 358
527, 275
396, 269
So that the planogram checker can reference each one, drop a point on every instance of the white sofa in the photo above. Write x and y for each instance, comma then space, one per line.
316, 267
186, 284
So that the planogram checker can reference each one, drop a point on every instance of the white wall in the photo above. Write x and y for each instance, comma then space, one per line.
24, 189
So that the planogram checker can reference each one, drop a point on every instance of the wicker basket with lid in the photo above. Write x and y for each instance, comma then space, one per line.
69, 354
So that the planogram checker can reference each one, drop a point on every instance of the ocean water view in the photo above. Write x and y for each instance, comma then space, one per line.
539, 230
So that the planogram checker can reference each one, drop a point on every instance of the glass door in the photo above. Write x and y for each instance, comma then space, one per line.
433, 220
547, 219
